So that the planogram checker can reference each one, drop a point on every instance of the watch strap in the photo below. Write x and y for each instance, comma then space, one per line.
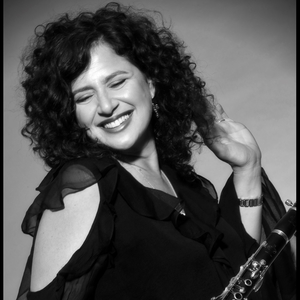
251, 202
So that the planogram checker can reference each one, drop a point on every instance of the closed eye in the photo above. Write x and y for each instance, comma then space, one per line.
83, 99
117, 84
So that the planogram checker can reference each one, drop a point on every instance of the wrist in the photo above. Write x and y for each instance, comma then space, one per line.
248, 169
251, 202
247, 182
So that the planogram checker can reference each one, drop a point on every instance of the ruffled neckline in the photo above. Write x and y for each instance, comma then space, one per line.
199, 224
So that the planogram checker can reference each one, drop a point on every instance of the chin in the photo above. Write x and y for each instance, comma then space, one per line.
121, 146
129, 142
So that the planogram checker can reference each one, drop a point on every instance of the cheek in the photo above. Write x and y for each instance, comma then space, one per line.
83, 116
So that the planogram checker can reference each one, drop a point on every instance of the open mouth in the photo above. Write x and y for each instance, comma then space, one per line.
116, 121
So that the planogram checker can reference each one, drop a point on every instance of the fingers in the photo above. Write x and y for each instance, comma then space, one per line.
220, 120
220, 113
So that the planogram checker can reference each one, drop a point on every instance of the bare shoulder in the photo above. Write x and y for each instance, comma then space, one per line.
61, 233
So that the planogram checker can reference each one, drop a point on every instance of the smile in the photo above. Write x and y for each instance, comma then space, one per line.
117, 121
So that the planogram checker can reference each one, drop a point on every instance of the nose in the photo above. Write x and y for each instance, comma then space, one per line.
106, 104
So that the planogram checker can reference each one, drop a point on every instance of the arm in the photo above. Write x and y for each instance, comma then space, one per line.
233, 143
248, 185
61, 233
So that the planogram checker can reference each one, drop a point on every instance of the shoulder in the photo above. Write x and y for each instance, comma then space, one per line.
67, 178
81, 169
69, 200
72, 176
62, 232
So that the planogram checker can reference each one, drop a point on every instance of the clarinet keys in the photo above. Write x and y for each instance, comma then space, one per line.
250, 276
256, 268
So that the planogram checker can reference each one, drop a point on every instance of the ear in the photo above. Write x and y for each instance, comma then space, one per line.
151, 88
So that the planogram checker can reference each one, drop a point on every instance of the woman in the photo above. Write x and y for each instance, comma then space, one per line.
114, 108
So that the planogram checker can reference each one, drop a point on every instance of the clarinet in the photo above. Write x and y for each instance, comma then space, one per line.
251, 274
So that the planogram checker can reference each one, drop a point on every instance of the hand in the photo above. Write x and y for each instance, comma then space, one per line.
233, 143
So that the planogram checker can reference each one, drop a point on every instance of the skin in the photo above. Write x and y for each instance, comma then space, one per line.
234, 144
112, 87
114, 102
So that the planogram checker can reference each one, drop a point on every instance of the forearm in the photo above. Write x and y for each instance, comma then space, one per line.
247, 184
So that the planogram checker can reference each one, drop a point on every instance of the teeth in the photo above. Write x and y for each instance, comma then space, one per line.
117, 122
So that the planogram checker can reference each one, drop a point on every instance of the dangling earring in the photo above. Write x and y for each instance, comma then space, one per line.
155, 108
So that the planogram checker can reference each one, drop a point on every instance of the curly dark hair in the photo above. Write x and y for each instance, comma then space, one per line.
60, 52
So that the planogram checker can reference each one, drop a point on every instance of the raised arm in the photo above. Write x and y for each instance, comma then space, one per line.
234, 144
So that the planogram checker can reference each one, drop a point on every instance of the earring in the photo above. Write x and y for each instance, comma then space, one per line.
155, 108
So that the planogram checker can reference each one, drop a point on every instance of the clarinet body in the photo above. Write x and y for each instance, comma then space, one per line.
251, 274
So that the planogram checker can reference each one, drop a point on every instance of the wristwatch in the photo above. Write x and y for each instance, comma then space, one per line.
251, 202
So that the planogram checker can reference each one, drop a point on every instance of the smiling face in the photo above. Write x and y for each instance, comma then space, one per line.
114, 101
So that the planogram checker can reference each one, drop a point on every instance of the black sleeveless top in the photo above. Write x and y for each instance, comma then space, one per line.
141, 247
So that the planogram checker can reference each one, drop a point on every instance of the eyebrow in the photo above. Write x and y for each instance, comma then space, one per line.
106, 79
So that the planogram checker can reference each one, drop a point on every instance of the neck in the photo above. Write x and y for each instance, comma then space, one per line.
144, 166
147, 160
148, 173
